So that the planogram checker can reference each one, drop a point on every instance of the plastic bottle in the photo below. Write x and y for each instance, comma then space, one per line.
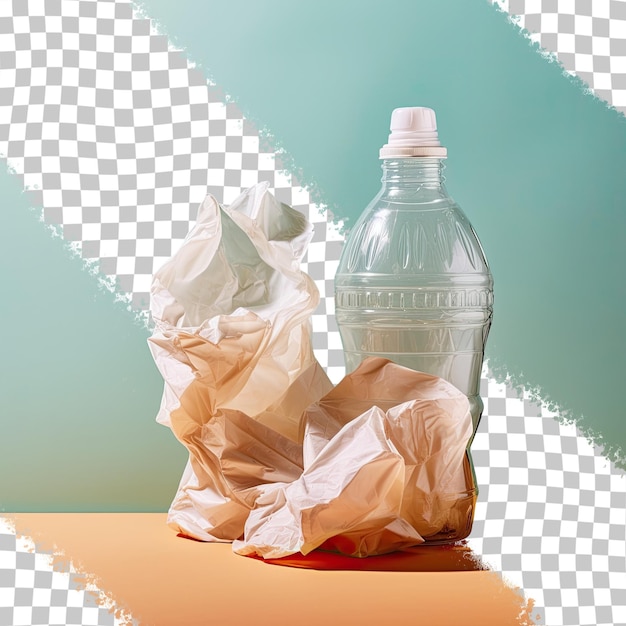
413, 284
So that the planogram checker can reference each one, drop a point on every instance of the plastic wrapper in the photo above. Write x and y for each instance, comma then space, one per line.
279, 461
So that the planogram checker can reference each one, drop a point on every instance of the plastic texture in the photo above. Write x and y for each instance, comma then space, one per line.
413, 133
413, 284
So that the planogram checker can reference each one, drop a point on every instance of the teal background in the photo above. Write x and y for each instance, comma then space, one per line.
536, 164
78, 386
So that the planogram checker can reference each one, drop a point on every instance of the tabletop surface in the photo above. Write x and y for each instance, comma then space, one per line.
164, 579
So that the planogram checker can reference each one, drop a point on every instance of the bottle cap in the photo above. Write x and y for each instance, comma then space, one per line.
413, 134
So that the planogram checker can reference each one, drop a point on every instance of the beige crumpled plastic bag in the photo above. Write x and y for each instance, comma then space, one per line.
232, 341
383, 467
279, 461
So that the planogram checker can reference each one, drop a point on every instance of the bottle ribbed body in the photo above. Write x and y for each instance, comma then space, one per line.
413, 286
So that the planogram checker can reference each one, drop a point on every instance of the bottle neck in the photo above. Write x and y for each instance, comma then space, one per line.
413, 173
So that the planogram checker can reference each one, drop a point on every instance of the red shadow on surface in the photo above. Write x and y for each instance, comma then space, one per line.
457, 557
454, 558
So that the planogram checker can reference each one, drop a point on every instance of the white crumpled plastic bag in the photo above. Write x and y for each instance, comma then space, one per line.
279, 461
232, 341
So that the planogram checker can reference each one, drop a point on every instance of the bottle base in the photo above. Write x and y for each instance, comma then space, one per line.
454, 512
459, 523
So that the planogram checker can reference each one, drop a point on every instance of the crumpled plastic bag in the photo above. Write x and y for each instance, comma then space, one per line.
383, 467
232, 340
279, 461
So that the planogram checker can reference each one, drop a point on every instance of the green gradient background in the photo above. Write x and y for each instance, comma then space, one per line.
79, 388
538, 166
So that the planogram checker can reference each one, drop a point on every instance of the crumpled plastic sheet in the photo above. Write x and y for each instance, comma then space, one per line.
279, 460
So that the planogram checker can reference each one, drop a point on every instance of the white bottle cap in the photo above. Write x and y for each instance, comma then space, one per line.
413, 134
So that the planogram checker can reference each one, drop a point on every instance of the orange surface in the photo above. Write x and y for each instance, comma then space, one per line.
163, 579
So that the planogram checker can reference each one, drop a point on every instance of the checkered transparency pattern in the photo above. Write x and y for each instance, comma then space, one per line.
551, 514
588, 37
118, 137
32, 591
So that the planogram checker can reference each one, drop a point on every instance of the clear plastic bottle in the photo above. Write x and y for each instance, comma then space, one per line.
413, 284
